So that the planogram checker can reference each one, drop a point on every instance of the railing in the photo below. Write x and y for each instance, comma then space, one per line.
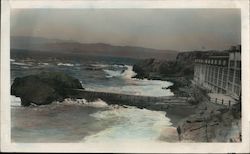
227, 103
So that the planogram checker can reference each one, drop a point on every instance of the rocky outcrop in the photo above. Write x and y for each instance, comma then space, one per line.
43, 88
152, 67
211, 123
178, 72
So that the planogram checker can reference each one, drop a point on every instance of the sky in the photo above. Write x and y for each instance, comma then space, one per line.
170, 29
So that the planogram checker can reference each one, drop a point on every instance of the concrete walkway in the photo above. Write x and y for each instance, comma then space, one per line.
226, 99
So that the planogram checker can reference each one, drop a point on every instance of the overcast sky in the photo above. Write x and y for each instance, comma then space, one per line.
175, 29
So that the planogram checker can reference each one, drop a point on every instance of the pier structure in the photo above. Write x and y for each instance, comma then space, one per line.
150, 102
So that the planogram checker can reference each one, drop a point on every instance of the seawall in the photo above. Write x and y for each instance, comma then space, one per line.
176, 108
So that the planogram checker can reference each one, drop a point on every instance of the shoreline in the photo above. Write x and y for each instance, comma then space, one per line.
204, 121
49, 118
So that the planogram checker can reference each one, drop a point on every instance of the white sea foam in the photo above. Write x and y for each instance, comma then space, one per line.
130, 124
65, 64
112, 73
128, 73
97, 103
99, 65
15, 101
21, 64
45, 64
134, 86
119, 66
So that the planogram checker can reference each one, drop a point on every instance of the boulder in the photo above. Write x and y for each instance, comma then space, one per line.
43, 88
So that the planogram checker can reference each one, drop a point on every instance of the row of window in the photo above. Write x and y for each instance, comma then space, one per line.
212, 61
218, 75
232, 63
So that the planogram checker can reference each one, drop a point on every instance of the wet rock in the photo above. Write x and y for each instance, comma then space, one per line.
43, 88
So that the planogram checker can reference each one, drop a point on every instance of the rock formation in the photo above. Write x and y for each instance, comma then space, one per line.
43, 88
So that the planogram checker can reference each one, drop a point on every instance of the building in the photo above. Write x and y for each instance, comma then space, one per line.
220, 72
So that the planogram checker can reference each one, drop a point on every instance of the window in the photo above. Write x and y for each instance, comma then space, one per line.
224, 62
231, 63
231, 75
230, 88
238, 73
238, 77
238, 64
219, 83
237, 90
224, 84
225, 74
220, 74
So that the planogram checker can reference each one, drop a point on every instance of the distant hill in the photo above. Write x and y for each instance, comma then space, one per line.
99, 49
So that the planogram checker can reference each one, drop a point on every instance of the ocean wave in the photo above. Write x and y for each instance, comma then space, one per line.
45, 64
135, 86
15, 101
99, 65
112, 73
65, 64
130, 124
97, 103
20, 64
127, 74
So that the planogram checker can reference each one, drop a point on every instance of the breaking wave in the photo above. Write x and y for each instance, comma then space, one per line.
97, 103
65, 64
21, 64
127, 74
135, 86
16, 102
131, 124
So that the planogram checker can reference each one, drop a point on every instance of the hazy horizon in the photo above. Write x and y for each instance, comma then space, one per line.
165, 29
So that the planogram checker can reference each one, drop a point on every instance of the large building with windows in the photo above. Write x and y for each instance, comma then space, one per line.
220, 72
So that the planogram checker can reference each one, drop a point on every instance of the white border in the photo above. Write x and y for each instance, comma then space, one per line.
7, 146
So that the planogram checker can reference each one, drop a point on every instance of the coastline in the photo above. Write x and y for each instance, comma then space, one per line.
184, 110
200, 120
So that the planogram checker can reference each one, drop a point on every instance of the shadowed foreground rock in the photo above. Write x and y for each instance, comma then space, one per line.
43, 88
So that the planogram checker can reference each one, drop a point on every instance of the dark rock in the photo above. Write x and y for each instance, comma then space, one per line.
188, 121
193, 101
236, 110
43, 88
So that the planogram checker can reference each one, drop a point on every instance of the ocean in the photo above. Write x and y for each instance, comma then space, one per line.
82, 121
